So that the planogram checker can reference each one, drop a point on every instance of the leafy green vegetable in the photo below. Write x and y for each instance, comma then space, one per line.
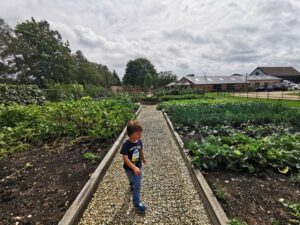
22, 126
21, 94
238, 136
294, 209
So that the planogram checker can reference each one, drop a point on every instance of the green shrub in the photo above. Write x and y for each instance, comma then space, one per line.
20, 94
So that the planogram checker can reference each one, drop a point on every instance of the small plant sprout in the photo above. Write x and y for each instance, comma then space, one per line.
219, 192
92, 157
235, 221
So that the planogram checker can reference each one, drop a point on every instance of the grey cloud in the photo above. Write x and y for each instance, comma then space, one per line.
175, 51
212, 37
88, 37
183, 65
184, 35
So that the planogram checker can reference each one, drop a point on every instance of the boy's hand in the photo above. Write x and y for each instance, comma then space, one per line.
144, 161
136, 171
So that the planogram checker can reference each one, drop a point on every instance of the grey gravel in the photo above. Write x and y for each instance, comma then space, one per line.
166, 186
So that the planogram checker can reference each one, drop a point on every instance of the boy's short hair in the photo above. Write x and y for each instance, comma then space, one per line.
133, 126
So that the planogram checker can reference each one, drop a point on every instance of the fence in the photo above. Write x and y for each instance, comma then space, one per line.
281, 95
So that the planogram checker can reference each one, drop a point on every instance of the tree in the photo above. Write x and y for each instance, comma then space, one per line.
165, 78
106, 75
6, 49
45, 57
117, 79
35, 54
85, 71
147, 82
136, 71
92, 73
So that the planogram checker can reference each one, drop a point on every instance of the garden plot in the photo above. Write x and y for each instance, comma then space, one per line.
249, 153
48, 153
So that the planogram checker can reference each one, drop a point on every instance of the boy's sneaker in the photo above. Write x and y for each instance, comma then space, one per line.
141, 207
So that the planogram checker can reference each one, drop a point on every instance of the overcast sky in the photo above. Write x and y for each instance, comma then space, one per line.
192, 36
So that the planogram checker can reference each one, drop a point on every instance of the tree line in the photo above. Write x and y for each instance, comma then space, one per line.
33, 53
141, 72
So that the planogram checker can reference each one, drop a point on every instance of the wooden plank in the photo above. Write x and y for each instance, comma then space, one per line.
215, 211
75, 211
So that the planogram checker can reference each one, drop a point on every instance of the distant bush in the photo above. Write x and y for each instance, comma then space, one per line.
133, 96
156, 99
179, 97
60, 92
151, 100
178, 91
20, 94
95, 91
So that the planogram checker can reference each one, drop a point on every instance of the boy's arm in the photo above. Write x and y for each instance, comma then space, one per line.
142, 156
127, 161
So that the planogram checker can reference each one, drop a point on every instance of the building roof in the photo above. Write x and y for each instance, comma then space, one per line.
183, 84
257, 77
178, 84
171, 84
279, 71
262, 77
215, 79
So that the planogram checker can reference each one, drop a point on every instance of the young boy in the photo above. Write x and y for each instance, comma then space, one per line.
133, 156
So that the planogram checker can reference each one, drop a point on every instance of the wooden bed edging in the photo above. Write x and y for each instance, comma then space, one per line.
215, 211
75, 211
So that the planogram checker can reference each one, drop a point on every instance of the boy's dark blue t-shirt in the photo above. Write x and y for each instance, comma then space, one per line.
133, 151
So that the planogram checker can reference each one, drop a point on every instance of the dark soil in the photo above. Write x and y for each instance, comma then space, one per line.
42, 193
254, 198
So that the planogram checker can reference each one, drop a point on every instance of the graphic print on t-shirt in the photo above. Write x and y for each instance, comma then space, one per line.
135, 155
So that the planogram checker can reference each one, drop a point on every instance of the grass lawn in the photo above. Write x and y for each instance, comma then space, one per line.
289, 103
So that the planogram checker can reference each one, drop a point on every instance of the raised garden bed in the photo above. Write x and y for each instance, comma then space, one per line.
42, 192
40, 178
255, 197
249, 154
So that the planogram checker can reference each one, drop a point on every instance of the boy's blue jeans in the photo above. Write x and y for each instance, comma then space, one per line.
135, 184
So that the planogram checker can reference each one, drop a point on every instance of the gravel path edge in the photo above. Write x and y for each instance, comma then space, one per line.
213, 207
77, 208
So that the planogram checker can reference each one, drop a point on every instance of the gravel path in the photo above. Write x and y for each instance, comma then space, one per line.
166, 186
